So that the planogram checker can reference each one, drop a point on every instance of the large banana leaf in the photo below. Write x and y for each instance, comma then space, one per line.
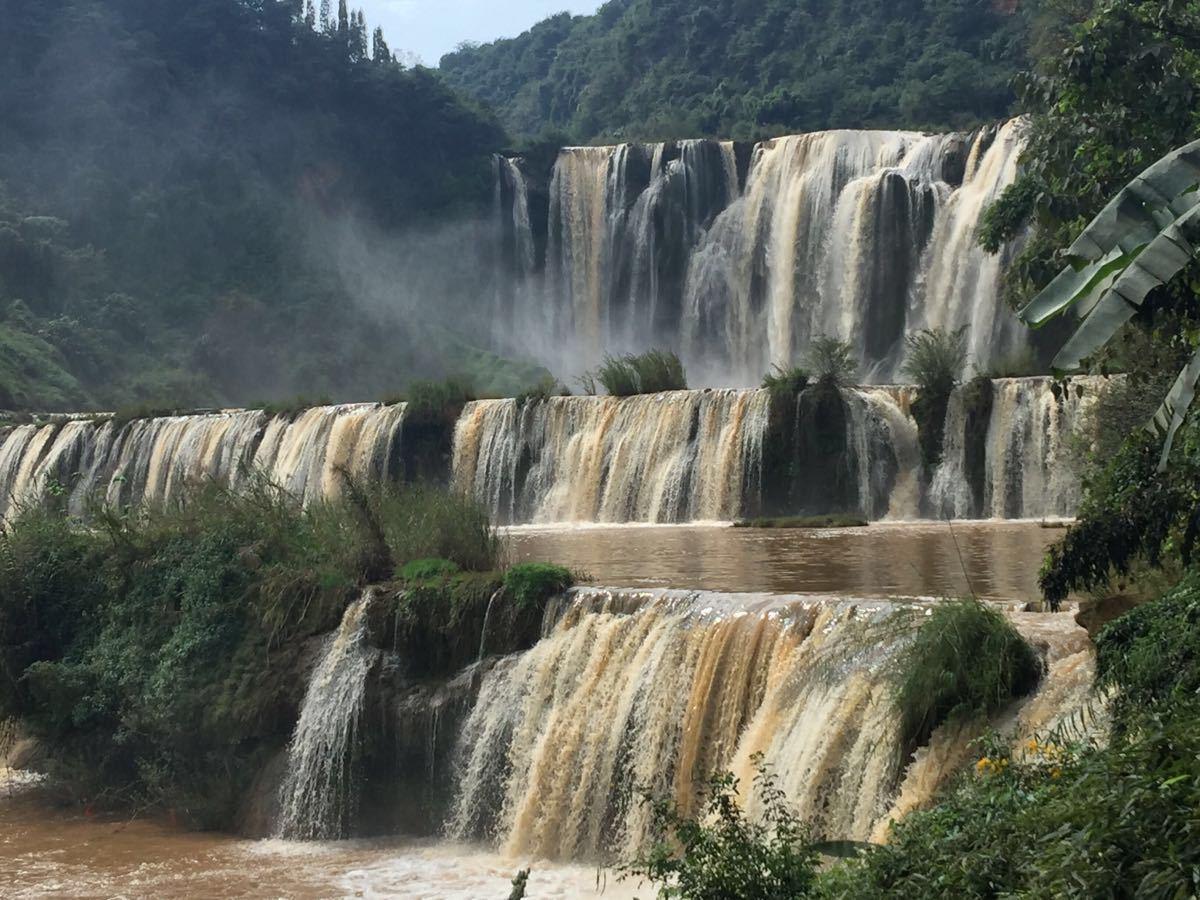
1139, 213
1170, 415
1140, 241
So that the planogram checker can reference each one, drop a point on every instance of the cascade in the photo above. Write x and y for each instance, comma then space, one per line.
863, 235
317, 800
152, 460
674, 457
634, 690
1020, 465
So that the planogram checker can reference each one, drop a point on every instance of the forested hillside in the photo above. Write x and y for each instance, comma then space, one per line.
644, 69
195, 196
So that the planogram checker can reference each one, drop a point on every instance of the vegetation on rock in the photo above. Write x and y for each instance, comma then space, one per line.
651, 372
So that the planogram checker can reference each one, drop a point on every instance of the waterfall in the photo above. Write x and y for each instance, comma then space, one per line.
884, 436
863, 235
318, 796
674, 457
657, 689
1022, 465
153, 460
622, 223
516, 310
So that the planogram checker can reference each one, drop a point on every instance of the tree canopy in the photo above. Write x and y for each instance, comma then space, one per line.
172, 170
644, 69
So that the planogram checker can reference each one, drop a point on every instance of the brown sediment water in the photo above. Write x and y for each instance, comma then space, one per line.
47, 851
724, 644
991, 560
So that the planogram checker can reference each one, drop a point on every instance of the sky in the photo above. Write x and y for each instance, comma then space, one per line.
430, 28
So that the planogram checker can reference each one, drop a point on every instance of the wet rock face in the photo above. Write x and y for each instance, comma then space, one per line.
826, 465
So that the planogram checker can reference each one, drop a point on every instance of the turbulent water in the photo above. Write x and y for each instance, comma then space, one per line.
698, 455
674, 457
1030, 467
656, 689
151, 460
862, 235
318, 794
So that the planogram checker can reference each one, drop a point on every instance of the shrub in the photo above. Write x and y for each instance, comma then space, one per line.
427, 570
724, 855
785, 383
542, 391
935, 359
421, 522
290, 409
832, 361
1056, 821
1149, 656
648, 373
439, 400
159, 654
531, 583
965, 660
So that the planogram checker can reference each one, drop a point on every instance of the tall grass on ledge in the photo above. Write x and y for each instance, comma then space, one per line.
651, 372
966, 660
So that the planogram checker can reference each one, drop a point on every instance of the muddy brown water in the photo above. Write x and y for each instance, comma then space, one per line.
47, 850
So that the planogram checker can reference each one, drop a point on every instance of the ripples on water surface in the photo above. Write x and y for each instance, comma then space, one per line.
993, 560
47, 852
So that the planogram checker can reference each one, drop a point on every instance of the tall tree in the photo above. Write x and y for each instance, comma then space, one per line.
326, 16
310, 15
380, 51
343, 25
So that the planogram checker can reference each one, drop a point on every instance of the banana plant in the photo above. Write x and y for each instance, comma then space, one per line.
1144, 237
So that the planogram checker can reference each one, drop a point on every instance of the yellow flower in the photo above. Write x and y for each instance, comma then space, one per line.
1055, 772
1031, 745
983, 765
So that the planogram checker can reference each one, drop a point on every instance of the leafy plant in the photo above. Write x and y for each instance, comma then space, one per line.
785, 383
935, 359
832, 362
542, 391
965, 660
722, 854
438, 400
647, 373
529, 583
1138, 243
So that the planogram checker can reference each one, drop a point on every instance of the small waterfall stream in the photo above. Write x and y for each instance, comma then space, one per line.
317, 801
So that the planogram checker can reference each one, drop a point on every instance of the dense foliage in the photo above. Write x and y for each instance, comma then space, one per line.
831, 361
723, 854
211, 201
160, 654
642, 69
965, 660
1108, 97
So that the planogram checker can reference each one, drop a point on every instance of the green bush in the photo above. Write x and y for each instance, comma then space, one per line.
532, 583
647, 373
722, 854
965, 660
439, 400
427, 570
542, 391
832, 361
1055, 821
785, 383
160, 653
935, 359
1149, 656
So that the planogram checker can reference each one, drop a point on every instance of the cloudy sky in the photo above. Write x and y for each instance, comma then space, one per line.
430, 28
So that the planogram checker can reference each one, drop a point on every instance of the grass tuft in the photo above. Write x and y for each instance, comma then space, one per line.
966, 660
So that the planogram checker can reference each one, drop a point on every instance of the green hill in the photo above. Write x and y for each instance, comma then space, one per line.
209, 201
642, 69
